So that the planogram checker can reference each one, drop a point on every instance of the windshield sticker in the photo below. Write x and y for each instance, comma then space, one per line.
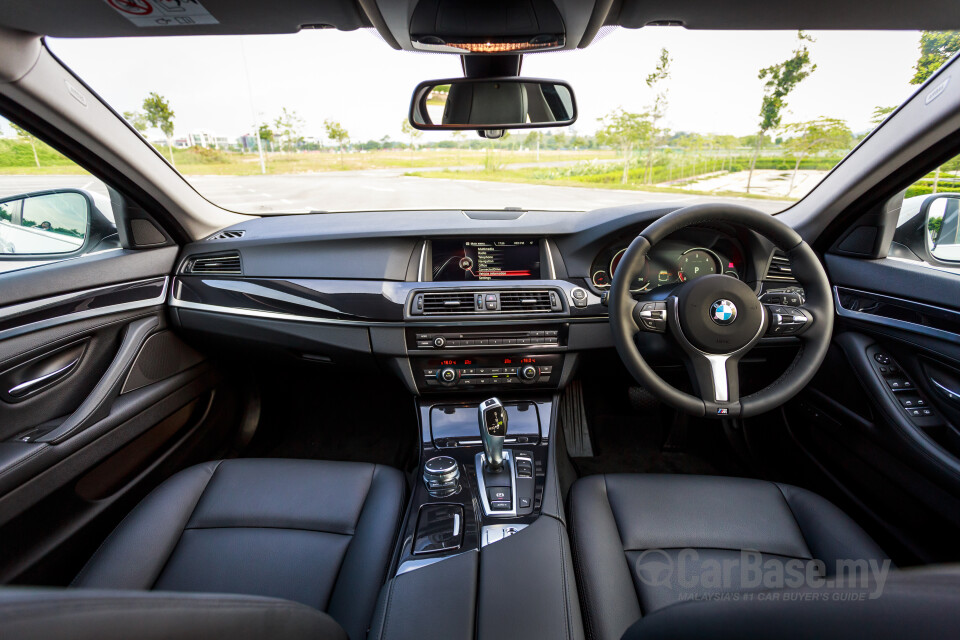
163, 13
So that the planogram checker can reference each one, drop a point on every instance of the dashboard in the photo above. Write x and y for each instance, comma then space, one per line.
672, 261
447, 300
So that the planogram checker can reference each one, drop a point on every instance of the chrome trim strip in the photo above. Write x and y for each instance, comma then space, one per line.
426, 322
913, 327
419, 563
423, 262
38, 305
273, 315
29, 384
553, 271
949, 393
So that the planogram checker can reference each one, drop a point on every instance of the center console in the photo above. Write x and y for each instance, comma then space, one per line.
484, 539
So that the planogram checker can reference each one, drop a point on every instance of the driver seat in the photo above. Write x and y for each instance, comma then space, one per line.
644, 541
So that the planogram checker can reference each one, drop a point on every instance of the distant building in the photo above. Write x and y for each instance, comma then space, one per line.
247, 142
207, 139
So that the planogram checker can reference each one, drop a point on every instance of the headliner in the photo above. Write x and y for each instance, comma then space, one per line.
95, 18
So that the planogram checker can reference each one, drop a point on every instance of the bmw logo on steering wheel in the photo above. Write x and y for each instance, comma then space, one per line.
723, 312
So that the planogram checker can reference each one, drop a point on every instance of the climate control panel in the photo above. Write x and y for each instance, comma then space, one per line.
483, 372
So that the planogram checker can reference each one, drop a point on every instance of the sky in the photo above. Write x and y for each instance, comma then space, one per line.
222, 84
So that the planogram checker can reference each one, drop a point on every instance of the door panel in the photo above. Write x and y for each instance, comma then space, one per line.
99, 401
876, 421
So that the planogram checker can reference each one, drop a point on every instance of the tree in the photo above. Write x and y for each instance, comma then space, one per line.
880, 114
458, 137
815, 136
654, 82
26, 136
781, 79
288, 125
936, 47
624, 130
137, 120
410, 132
157, 113
338, 134
266, 134
533, 140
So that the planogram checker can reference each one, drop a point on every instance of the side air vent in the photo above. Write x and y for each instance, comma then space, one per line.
227, 264
227, 235
459, 303
779, 268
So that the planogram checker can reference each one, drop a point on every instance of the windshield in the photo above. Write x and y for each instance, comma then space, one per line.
316, 121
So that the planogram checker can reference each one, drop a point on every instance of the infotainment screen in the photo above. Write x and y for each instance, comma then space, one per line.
469, 260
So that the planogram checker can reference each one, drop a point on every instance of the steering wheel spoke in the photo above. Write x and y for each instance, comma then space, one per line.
718, 376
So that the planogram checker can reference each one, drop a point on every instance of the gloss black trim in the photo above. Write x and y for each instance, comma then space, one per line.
29, 316
917, 317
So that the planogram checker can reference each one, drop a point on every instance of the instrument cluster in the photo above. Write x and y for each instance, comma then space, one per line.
670, 262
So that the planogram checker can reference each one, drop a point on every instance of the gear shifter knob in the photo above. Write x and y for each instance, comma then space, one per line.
493, 429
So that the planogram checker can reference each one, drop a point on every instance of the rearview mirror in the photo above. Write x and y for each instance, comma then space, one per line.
943, 227
492, 104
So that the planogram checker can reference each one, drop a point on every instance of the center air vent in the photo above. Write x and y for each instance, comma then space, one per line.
436, 303
779, 268
221, 264
511, 301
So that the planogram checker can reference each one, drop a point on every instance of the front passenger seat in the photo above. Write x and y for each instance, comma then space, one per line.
318, 533
628, 532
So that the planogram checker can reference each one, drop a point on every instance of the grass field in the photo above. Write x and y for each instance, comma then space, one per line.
16, 158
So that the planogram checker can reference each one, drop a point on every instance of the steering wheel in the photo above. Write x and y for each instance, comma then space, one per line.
716, 319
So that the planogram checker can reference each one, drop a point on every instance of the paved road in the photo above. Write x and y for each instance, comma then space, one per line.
386, 189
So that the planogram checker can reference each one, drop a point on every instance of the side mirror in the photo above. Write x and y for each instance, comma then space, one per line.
943, 226
492, 104
59, 223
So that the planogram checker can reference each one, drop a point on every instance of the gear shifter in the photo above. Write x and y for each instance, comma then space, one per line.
493, 430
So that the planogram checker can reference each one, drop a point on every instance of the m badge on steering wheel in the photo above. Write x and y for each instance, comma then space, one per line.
723, 312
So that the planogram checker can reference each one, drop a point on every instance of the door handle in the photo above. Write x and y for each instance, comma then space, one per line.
951, 395
25, 388
97, 404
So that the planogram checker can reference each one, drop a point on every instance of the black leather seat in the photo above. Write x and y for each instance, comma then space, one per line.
629, 531
318, 533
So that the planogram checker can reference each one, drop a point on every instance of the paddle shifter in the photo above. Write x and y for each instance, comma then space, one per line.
493, 430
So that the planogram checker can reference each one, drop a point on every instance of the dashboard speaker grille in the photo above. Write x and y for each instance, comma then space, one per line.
779, 268
220, 264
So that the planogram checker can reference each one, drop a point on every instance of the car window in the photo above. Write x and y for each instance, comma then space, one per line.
928, 228
50, 207
698, 116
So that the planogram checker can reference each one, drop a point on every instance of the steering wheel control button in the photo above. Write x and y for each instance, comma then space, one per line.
786, 321
723, 312
652, 316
